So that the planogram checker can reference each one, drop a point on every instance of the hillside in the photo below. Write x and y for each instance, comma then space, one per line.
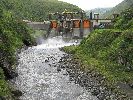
36, 10
125, 21
14, 34
118, 8
110, 53
98, 10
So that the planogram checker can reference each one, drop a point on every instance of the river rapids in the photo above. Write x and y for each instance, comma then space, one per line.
39, 77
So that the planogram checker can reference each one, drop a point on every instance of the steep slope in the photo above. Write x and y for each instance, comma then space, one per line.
118, 9
125, 21
13, 35
110, 52
37, 9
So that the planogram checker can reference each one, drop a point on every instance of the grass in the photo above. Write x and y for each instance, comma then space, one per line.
100, 52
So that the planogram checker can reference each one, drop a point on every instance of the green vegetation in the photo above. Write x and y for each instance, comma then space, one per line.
119, 8
109, 51
125, 20
4, 88
13, 35
36, 10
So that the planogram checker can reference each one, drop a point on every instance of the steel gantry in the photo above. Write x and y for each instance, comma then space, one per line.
65, 22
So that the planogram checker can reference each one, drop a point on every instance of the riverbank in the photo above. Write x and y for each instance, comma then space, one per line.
7, 72
92, 81
14, 35
98, 53
8, 91
40, 77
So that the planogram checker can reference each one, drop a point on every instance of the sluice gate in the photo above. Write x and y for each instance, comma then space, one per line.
71, 24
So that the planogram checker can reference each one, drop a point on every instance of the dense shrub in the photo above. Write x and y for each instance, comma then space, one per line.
36, 10
13, 34
125, 21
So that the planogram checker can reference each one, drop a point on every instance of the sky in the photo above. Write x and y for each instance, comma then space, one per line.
91, 4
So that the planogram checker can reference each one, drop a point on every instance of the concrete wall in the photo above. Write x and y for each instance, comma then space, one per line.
53, 32
86, 32
76, 32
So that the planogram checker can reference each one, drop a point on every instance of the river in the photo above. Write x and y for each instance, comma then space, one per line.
39, 77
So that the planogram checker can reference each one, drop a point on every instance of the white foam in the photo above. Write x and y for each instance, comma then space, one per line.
55, 42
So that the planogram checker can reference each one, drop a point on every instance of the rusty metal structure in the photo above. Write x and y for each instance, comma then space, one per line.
66, 22
74, 24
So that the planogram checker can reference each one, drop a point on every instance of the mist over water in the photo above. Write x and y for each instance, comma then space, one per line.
56, 42
40, 40
39, 78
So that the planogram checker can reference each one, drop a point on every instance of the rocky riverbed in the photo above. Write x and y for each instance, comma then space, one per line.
46, 73
40, 78
93, 82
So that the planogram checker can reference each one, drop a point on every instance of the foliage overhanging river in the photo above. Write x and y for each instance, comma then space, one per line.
39, 78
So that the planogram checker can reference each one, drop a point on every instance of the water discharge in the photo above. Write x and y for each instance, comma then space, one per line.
39, 78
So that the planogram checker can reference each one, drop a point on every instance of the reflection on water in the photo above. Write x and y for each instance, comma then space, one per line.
39, 78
